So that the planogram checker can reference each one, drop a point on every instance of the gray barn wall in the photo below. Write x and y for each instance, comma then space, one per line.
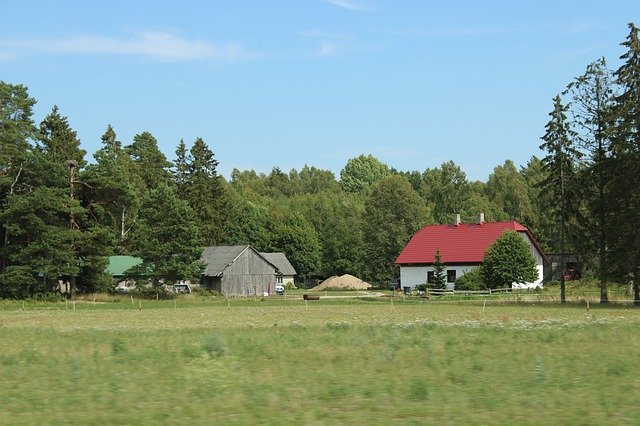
248, 275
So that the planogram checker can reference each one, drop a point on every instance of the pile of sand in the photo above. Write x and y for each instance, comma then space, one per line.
345, 282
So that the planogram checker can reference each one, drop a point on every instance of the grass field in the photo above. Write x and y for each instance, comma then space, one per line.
353, 361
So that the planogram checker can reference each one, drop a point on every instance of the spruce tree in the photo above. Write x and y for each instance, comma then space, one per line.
149, 163
591, 97
439, 277
560, 184
206, 193
625, 145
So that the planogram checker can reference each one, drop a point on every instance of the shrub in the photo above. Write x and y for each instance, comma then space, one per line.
17, 282
471, 280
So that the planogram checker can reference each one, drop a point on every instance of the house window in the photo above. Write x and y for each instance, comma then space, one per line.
451, 276
279, 279
430, 275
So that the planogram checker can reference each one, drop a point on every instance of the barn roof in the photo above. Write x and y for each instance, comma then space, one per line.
280, 261
219, 257
118, 265
465, 243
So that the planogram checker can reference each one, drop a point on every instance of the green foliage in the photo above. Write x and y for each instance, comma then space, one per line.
439, 268
166, 237
148, 162
295, 237
468, 359
446, 190
508, 260
58, 141
205, 191
507, 188
17, 282
361, 173
393, 212
470, 280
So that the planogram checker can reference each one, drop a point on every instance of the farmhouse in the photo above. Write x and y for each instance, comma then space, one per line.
462, 247
238, 271
285, 273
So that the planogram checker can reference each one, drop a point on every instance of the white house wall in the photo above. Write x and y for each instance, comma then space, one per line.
539, 264
411, 276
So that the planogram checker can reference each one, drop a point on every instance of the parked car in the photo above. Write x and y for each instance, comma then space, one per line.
279, 289
181, 288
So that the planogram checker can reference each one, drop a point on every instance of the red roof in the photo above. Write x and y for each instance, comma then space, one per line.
465, 243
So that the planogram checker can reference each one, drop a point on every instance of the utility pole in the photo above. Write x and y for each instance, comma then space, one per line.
73, 165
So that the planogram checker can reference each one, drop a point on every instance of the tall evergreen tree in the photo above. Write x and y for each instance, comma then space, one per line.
166, 237
16, 132
58, 141
181, 168
625, 146
560, 185
592, 96
207, 194
149, 163
111, 191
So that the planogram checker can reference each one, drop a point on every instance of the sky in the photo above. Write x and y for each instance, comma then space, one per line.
286, 83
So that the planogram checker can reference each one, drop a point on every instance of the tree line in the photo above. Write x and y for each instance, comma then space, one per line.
61, 215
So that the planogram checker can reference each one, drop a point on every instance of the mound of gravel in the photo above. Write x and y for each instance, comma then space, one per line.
343, 282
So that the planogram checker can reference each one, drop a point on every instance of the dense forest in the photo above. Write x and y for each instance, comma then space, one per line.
62, 214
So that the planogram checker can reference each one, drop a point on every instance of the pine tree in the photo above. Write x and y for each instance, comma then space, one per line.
16, 131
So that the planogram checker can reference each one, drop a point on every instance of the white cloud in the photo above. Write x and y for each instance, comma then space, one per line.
329, 44
156, 45
351, 5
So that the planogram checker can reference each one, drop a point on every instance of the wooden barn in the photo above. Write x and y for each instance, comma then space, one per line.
238, 271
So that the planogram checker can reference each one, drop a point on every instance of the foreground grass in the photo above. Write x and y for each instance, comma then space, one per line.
325, 362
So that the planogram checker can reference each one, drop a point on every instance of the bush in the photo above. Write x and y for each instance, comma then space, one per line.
17, 282
471, 281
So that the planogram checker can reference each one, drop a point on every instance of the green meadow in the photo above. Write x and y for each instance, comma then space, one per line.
353, 361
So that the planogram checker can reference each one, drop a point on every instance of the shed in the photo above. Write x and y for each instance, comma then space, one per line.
285, 273
237, 271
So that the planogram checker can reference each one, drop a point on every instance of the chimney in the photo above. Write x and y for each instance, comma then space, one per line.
480, 218
457, 219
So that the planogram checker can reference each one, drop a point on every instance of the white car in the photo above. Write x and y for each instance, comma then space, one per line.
279, 289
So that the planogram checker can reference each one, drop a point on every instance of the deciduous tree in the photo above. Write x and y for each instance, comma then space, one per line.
508, 260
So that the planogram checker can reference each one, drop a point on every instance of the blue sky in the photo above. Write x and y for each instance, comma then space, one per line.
287, 83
